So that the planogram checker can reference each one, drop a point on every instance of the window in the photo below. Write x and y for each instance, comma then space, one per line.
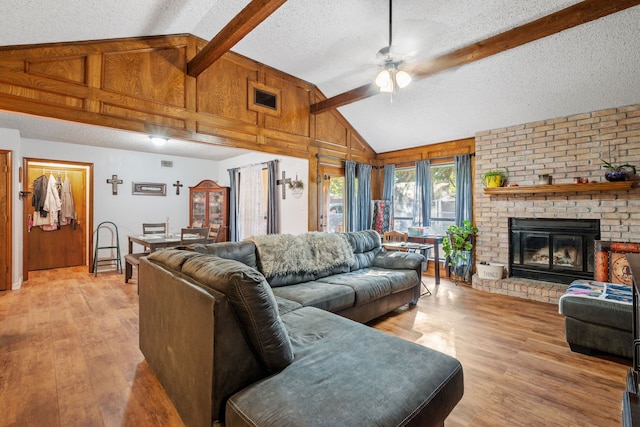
406, 203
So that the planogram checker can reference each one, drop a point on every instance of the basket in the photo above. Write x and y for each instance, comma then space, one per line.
490, 271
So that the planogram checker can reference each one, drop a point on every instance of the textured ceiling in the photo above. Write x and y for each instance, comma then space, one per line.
333, 43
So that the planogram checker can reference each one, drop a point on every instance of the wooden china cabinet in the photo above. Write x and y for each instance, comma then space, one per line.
209, 204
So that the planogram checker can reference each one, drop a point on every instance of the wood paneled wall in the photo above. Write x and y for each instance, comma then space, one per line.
141, 85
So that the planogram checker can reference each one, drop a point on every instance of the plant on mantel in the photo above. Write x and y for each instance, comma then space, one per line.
616, 172
619, 172
495, 177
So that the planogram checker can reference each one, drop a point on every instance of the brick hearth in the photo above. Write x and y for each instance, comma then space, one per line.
522, 288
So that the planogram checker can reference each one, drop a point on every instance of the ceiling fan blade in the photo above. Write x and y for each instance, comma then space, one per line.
572, 16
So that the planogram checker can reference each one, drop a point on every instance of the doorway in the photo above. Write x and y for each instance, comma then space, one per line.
58, 241
332, 199
6, 259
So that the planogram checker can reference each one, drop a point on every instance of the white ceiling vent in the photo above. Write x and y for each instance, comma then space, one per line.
166, 163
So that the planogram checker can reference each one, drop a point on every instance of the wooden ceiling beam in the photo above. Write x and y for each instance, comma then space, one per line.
572, 16
241, 25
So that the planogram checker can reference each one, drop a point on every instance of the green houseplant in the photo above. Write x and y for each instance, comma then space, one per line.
495, 177
617, 173
457, 246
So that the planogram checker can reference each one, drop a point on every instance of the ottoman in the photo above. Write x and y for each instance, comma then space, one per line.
598, 317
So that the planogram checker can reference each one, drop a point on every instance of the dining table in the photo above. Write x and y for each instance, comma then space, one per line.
435, 240
152, 242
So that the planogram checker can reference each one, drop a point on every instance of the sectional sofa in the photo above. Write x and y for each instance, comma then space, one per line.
262, 333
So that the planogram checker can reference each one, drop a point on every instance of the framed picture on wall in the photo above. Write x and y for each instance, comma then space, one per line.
149, 189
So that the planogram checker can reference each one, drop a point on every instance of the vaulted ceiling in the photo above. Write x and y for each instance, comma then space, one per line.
333, 44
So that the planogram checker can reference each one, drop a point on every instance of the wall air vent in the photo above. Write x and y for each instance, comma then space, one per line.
264, 99
166, 163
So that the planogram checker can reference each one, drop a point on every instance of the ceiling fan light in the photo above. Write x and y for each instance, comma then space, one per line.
383, 79
403, 79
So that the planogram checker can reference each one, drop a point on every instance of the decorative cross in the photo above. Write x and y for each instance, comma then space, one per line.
114, 181
178, 185
284, 181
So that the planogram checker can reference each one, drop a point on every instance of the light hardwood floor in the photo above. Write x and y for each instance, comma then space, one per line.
69, 356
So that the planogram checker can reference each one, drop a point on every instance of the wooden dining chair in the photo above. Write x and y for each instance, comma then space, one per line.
154, 228
194, 235
214, 232
133, 260
394, 236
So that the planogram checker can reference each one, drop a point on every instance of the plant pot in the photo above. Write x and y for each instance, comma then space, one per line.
614, 176
494, 181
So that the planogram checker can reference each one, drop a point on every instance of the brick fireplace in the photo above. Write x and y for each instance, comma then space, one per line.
564, 147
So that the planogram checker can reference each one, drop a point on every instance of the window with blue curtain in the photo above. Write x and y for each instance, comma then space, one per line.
438, 186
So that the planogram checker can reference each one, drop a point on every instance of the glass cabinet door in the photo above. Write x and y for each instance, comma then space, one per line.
215, 207
198, 203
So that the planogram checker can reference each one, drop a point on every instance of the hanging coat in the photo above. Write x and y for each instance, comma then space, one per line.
39, 194
68, 213
52, 205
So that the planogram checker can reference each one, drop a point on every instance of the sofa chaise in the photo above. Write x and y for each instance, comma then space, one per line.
239, 336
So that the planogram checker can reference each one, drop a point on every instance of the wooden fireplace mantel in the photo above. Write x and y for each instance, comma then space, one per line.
562, 188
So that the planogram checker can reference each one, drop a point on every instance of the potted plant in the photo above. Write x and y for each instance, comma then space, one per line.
495, 177
296, 183
296, 186
617, 173
457, 246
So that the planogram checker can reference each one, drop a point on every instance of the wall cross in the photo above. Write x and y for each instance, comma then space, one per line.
284, 181
178, 185
114, 181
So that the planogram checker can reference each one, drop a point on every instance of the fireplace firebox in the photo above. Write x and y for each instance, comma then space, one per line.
553, 250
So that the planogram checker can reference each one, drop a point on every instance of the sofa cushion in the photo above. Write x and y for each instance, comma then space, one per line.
365, 245
398, 260
286, 305
336, 361
173, 258
245, 251
253, 302
317, 294
368, 284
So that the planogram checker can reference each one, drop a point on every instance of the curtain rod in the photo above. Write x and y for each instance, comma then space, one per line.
410, 161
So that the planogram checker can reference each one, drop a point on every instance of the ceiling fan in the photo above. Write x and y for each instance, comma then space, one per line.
392, 77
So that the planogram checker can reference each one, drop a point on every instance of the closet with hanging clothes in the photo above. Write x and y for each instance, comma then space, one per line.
56, 214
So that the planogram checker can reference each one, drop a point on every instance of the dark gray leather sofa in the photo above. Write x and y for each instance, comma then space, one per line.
230, 349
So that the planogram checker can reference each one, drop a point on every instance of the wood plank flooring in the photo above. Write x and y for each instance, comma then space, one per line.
69, 356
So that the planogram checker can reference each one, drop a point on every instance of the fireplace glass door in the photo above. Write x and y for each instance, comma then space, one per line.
553, 250
556, 252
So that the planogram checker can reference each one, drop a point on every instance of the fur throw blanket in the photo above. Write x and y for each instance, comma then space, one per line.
313, 252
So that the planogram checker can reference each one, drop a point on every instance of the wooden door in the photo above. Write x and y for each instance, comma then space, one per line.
5, 221
66, 246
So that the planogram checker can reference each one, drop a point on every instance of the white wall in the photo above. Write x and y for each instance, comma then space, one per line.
294, 213
129, 211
